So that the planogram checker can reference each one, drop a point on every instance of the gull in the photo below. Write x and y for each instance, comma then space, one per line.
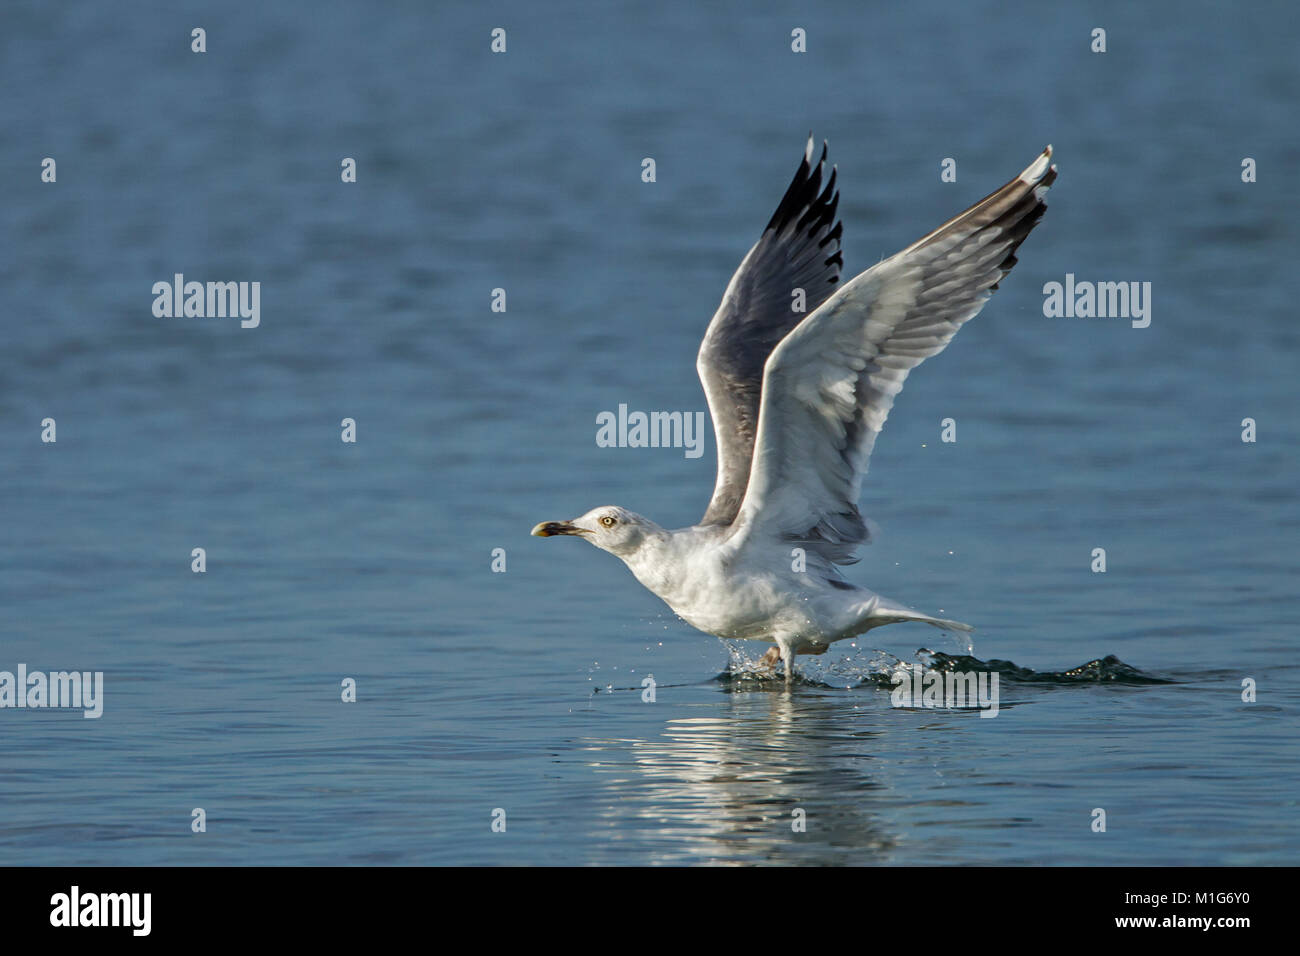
797, 399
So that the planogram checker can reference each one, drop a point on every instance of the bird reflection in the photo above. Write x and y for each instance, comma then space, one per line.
730, 788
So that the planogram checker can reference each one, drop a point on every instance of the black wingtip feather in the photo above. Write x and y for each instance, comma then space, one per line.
808, 203
835, 234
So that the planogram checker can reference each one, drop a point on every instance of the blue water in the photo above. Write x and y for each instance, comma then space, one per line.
522, 690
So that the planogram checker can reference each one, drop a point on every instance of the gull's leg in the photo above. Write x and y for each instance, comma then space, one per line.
786, 651
786, 648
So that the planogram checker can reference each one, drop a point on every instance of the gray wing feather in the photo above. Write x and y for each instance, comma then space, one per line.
799, 249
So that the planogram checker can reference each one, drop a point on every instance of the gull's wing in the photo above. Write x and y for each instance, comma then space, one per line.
799, 249
829, 385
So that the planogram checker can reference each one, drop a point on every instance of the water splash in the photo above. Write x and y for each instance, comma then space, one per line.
866, 667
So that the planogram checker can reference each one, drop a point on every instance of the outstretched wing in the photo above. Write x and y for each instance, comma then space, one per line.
829, 385
799, 249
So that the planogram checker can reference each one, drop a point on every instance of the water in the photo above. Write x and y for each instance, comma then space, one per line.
522, 690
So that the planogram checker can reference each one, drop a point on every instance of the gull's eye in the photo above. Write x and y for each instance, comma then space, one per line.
608, 521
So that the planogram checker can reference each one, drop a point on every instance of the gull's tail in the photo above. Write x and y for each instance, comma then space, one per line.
887, 612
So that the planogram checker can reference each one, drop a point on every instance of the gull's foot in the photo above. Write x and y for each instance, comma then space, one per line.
768, 660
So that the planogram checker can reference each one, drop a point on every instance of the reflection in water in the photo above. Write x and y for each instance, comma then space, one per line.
722, 786
723, 789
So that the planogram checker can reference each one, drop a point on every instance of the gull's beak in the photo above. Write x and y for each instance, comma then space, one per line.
548, 528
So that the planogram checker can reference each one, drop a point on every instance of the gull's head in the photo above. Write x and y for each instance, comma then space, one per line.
608, 527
